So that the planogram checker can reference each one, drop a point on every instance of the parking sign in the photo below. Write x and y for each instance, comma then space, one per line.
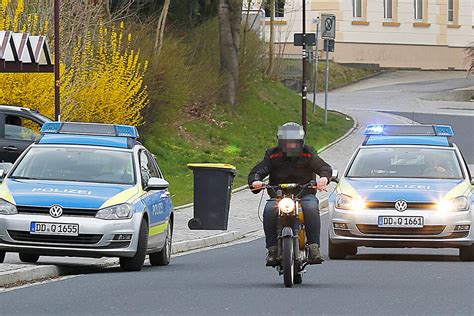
328, 26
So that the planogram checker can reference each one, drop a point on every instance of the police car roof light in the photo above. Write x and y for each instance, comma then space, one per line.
93, 129
408, 130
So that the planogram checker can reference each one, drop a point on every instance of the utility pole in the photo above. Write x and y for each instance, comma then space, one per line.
304, 86
57, 66
316, 62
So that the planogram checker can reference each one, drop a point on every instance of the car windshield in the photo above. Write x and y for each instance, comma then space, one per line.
405, 162
76, 164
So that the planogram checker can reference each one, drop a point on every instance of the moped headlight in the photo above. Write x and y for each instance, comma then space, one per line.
461, 203
6, 208
120, 211
286, 205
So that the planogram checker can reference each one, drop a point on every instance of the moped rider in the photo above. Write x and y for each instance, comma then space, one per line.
291, 162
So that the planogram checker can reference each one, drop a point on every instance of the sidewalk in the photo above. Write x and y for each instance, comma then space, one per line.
243, 218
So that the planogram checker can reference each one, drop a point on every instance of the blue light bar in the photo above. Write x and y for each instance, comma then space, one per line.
51, 127
92, 129
408, 130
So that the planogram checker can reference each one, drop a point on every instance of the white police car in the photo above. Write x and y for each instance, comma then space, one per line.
87, 190
406, 186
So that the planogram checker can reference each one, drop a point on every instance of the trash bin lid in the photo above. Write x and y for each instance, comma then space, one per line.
221, 166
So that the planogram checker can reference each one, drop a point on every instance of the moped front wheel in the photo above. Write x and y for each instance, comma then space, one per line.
288, 261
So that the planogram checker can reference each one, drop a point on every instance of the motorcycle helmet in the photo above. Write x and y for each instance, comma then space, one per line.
291, 139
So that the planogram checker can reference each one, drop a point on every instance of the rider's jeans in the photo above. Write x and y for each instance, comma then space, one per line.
312, 222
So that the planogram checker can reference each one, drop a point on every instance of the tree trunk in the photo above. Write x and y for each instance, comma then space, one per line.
160, 30
271, 52
230, 18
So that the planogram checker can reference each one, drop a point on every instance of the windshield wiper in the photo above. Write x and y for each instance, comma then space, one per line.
22, 178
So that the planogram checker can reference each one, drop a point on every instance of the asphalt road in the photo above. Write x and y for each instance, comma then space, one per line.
234, 281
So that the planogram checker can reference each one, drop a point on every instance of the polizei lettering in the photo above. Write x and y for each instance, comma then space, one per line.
403, 186
67, 191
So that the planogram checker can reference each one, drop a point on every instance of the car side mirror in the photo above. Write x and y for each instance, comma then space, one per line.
335, 176
157, 184
5, 167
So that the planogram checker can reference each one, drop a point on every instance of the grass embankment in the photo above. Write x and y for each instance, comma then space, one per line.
240, 137
339, 75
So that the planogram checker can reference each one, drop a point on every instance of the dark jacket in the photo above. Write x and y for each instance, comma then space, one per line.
283, 169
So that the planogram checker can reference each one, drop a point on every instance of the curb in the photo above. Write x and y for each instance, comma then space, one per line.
31, 273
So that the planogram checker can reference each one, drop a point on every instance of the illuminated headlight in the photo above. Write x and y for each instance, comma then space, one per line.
460, 203
286, 205
7, 208
121, 211
346, 202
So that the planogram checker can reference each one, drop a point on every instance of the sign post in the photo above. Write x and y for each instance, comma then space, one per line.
316, 59
328, 34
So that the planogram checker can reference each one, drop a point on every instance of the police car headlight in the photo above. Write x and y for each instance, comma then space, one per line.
121, 211
346, 202
7, 208
461, 203
286, 205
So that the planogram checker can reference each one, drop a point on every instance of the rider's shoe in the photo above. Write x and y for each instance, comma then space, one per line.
272, 256
314, 255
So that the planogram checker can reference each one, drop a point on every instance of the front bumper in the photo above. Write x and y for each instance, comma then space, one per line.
96, 236
438, 231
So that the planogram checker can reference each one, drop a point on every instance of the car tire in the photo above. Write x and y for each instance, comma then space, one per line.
2, 256
163, 257
28, 257
466, 253
336, 251
135, 263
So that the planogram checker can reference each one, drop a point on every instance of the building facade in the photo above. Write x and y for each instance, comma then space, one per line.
426, 34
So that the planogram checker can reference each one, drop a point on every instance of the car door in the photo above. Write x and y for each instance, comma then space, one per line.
17, 133
154, 201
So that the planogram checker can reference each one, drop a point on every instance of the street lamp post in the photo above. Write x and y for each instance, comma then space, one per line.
57, 97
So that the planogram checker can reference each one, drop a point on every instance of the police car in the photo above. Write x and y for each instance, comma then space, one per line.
86, 190
405, 186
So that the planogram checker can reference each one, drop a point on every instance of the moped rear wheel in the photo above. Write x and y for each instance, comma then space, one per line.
288, 261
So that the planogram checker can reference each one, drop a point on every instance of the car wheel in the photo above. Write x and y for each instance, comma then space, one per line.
2, 256
466, 253
135, 263
336, 251
28, 257
162, 258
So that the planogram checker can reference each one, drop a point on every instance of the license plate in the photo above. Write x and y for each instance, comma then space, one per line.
54, 229
401, 221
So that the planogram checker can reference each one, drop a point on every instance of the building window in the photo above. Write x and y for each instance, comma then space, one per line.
357, 8
388, 9
450, 10
418, 9
279, 8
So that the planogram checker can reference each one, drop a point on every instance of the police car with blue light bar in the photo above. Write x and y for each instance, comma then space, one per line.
86, 190
405, 186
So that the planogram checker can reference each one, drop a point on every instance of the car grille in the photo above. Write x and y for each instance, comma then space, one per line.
66, 211
391, 205
427, 230
84, 239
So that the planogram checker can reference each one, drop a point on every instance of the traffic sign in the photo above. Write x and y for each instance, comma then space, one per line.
310, 39
329, 45
328, 26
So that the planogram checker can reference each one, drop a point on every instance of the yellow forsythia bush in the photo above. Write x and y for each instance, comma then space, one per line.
104, 83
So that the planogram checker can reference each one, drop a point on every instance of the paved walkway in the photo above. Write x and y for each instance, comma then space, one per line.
244, 217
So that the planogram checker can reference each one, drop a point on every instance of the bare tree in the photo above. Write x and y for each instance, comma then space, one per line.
230, 18
160, 30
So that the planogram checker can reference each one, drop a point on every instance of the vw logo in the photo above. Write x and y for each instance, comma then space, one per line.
56, 211
401, 205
